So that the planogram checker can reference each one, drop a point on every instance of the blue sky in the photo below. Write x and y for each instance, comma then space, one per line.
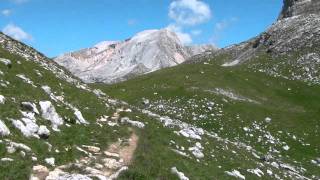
57, 26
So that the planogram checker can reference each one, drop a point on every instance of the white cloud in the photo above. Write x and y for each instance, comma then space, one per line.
189, 12
6, 12
185, 38
16, 32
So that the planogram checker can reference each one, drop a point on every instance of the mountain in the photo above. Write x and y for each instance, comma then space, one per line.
114, 61
291, 45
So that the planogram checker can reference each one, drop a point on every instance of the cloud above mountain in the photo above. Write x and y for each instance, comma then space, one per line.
189, 12
186, 14
16, 32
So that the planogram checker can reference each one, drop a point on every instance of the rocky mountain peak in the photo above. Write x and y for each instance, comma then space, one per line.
299, 7
113, 61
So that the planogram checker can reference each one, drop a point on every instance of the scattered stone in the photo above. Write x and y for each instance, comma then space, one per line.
256, 171
19, 146
43, 132
286, 147
6, 159
109, 154
180, 175
49, 113
6, 62
192, 132
197, 151
79, 116
50, 161
27, 126
236, 174
33, 158
2, 99
111, 163
29, 107
4, 130
22, 153
39, 172
92, 149
267, 119
25, 79
145, 101
133, 123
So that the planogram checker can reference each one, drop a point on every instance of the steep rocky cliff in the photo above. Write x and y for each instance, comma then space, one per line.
299, 7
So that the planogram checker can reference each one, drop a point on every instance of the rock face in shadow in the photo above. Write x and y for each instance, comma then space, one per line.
299, 7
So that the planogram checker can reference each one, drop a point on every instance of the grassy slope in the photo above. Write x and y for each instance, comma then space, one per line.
293, 106
295, 111
77, 135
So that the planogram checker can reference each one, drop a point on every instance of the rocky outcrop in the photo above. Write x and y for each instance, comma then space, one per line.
295, 35
299, 7
114, 61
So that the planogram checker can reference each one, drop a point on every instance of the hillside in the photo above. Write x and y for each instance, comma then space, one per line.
249, 111
258, 125
53, 125
291, 45
197, 123
256, 102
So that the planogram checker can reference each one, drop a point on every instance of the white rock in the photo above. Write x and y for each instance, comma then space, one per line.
197, 150
68, 176
4, 130
180, 175
25, 79
13, 146
6, 159
92, 149
133, 123
49, 113
2, 99
109, 154
236, 174
27, 130
79, 116
43, 131
33, 158
286, 147
267, 119
191, 132
6, 62
46, 89
50, 161
256, 171
22, 153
